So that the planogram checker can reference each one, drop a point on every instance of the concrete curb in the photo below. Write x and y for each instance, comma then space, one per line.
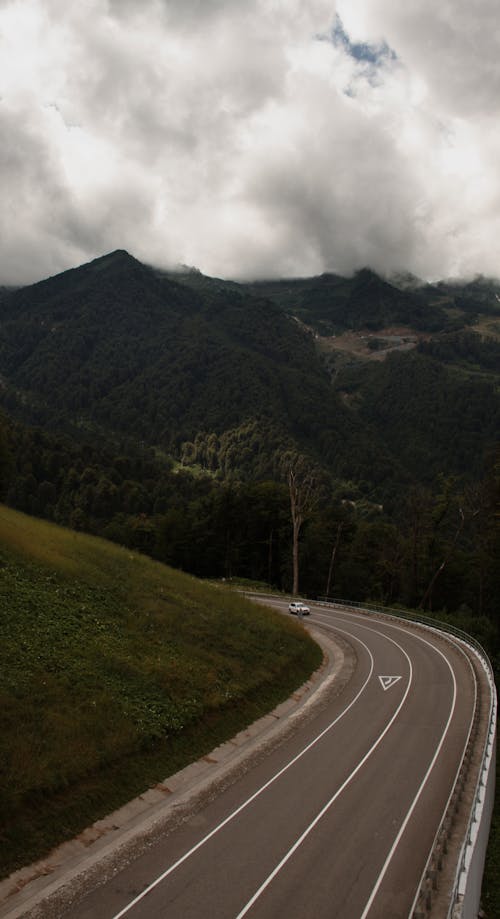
110, 841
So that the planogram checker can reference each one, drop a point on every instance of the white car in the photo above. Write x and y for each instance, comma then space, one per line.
298, 609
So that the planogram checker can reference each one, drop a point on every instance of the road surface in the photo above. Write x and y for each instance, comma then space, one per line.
338, 820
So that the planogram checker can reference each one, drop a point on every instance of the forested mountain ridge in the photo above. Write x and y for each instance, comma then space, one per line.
116, 347
230, 376
418, 364
332, 304
115, 320
164, 411
173, 414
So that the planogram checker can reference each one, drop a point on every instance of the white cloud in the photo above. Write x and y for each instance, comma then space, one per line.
236, 137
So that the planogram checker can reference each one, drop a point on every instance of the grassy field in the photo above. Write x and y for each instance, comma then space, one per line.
115, 672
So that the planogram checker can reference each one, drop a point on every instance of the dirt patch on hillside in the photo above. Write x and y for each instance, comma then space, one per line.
371, 346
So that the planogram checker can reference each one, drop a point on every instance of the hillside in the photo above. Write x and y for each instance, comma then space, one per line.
121, 347
164, 412
435, 419
231, 377
331, 304
116, 349
119, 671
417, 364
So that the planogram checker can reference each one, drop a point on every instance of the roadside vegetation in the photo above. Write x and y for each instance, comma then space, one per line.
115, 672
200, 423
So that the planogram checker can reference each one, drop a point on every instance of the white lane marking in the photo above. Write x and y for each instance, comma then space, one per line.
255, 795
420, 790
431, 766
388, 681
339, 791
457, 645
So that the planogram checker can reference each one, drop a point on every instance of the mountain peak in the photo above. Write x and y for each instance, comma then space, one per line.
118, 258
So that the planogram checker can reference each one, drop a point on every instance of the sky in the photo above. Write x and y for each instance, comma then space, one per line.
251, 138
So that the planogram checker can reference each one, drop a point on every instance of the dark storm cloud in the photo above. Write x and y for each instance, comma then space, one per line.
251, 138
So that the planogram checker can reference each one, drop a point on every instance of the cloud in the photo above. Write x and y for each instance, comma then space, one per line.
451, 49
253, 138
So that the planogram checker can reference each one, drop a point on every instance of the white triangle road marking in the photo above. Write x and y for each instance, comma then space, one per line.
388, 681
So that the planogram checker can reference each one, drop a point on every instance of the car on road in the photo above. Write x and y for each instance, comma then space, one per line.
298, 609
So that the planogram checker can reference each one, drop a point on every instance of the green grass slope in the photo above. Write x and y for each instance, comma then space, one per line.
115, 672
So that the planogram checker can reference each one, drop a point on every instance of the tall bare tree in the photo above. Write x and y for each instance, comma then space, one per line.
302, 499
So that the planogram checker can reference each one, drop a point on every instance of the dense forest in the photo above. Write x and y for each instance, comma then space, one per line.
166, 412
438, 549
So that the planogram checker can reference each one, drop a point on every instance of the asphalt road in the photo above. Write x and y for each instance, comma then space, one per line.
338, 821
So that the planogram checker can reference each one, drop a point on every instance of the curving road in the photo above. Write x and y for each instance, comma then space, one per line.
337, 821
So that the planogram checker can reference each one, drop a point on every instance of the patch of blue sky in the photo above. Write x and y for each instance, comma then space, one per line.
374, 56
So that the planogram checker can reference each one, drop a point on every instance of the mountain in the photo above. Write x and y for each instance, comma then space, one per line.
164, 411
118, 349
331, 303
232, 376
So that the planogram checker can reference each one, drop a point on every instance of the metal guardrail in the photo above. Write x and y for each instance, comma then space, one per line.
466, 892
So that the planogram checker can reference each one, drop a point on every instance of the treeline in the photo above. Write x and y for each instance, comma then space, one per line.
467, 348
431, 416
331, 303
112, 346
223, 379
438, 549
